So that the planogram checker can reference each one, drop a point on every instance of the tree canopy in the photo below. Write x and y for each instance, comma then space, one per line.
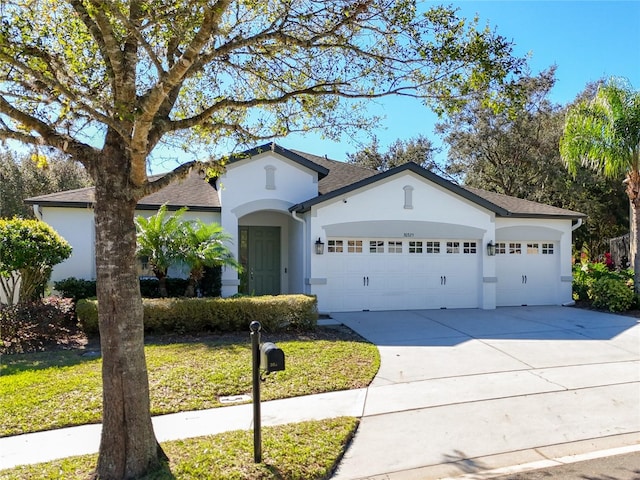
418, 150
109, 82
24, 176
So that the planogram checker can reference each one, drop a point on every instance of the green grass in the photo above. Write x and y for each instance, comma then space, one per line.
303, 451
42, 391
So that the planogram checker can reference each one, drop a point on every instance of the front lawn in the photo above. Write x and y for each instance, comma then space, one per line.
307, 450
42, 391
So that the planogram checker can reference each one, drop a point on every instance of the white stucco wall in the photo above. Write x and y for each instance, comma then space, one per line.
260, 184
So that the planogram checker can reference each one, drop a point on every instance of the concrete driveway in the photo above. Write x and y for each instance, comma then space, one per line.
470, 391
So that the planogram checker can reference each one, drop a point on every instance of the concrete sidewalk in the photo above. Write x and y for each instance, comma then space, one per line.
65, 442
459, 392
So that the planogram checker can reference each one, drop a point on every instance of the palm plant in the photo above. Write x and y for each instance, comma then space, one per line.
604, 134
158, 238
204, 245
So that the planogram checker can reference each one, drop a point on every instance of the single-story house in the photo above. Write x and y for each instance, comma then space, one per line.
358, 239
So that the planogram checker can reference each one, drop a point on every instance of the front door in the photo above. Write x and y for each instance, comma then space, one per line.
260, 258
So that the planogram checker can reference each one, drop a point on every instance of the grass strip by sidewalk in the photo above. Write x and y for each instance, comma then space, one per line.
42, 391
308, 450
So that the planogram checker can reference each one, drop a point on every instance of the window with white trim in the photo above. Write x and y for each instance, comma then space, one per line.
376, 246
469, 247
395, 246
335, 246
453, 247
501, 248
533, 248
433, 247
547, 248
354, 246
415, 247
515, 248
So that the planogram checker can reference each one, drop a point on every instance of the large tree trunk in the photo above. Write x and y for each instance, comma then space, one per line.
128, 446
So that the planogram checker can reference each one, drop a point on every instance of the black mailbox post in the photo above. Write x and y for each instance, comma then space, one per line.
269, 358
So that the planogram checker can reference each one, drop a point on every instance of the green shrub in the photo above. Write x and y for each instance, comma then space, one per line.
194, 315
612, 294
32, 326
75, 288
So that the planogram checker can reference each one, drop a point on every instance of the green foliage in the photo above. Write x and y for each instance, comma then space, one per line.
603, 134
195, 315
612, 294
28, 251
418, 150
75, 288
27, 176
167, 241
603, 287
34, 326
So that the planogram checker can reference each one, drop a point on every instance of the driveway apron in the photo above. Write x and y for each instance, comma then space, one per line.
465, 391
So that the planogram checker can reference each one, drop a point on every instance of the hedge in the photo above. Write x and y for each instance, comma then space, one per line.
195, 315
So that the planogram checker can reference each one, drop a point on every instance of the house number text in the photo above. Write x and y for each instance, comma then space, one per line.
409, 235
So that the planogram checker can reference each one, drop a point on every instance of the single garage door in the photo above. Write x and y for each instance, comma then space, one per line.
392, 274
527, 273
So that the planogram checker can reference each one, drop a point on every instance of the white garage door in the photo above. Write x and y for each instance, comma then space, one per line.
527, 272
392, 274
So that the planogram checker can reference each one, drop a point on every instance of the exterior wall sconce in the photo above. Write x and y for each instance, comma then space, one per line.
319, 247
491, 248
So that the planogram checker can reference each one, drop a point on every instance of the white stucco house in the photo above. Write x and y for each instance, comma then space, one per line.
356, 238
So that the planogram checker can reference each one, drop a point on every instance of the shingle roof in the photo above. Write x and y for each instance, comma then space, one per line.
518, 207
335, 178
192, 191
340, 174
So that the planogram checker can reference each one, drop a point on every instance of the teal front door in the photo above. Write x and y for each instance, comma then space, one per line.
260, 259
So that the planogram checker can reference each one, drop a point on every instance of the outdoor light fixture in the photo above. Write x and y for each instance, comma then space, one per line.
491, 249
319, 247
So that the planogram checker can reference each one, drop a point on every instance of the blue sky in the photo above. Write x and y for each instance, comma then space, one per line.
587, 40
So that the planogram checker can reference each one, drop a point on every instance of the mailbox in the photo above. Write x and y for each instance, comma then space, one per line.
271, 358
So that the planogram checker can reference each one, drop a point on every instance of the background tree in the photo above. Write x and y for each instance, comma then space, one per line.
109, 82
28, 252
204, 245
603, 134
158, 238
26, 175
419, 150
514, 150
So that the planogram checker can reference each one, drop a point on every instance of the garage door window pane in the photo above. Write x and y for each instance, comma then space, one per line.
453, 247
395, 247
335, 246
515, 248
354, 246
415, 247
469, 247
547, 248
532, 249
433, 247
501, 248
376, 246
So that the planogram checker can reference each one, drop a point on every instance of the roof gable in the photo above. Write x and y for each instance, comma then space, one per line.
501, 205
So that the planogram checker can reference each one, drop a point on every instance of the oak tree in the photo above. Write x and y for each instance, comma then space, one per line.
109, 82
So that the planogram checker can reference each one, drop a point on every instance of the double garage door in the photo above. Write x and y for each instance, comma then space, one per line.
393, 274
411, 274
